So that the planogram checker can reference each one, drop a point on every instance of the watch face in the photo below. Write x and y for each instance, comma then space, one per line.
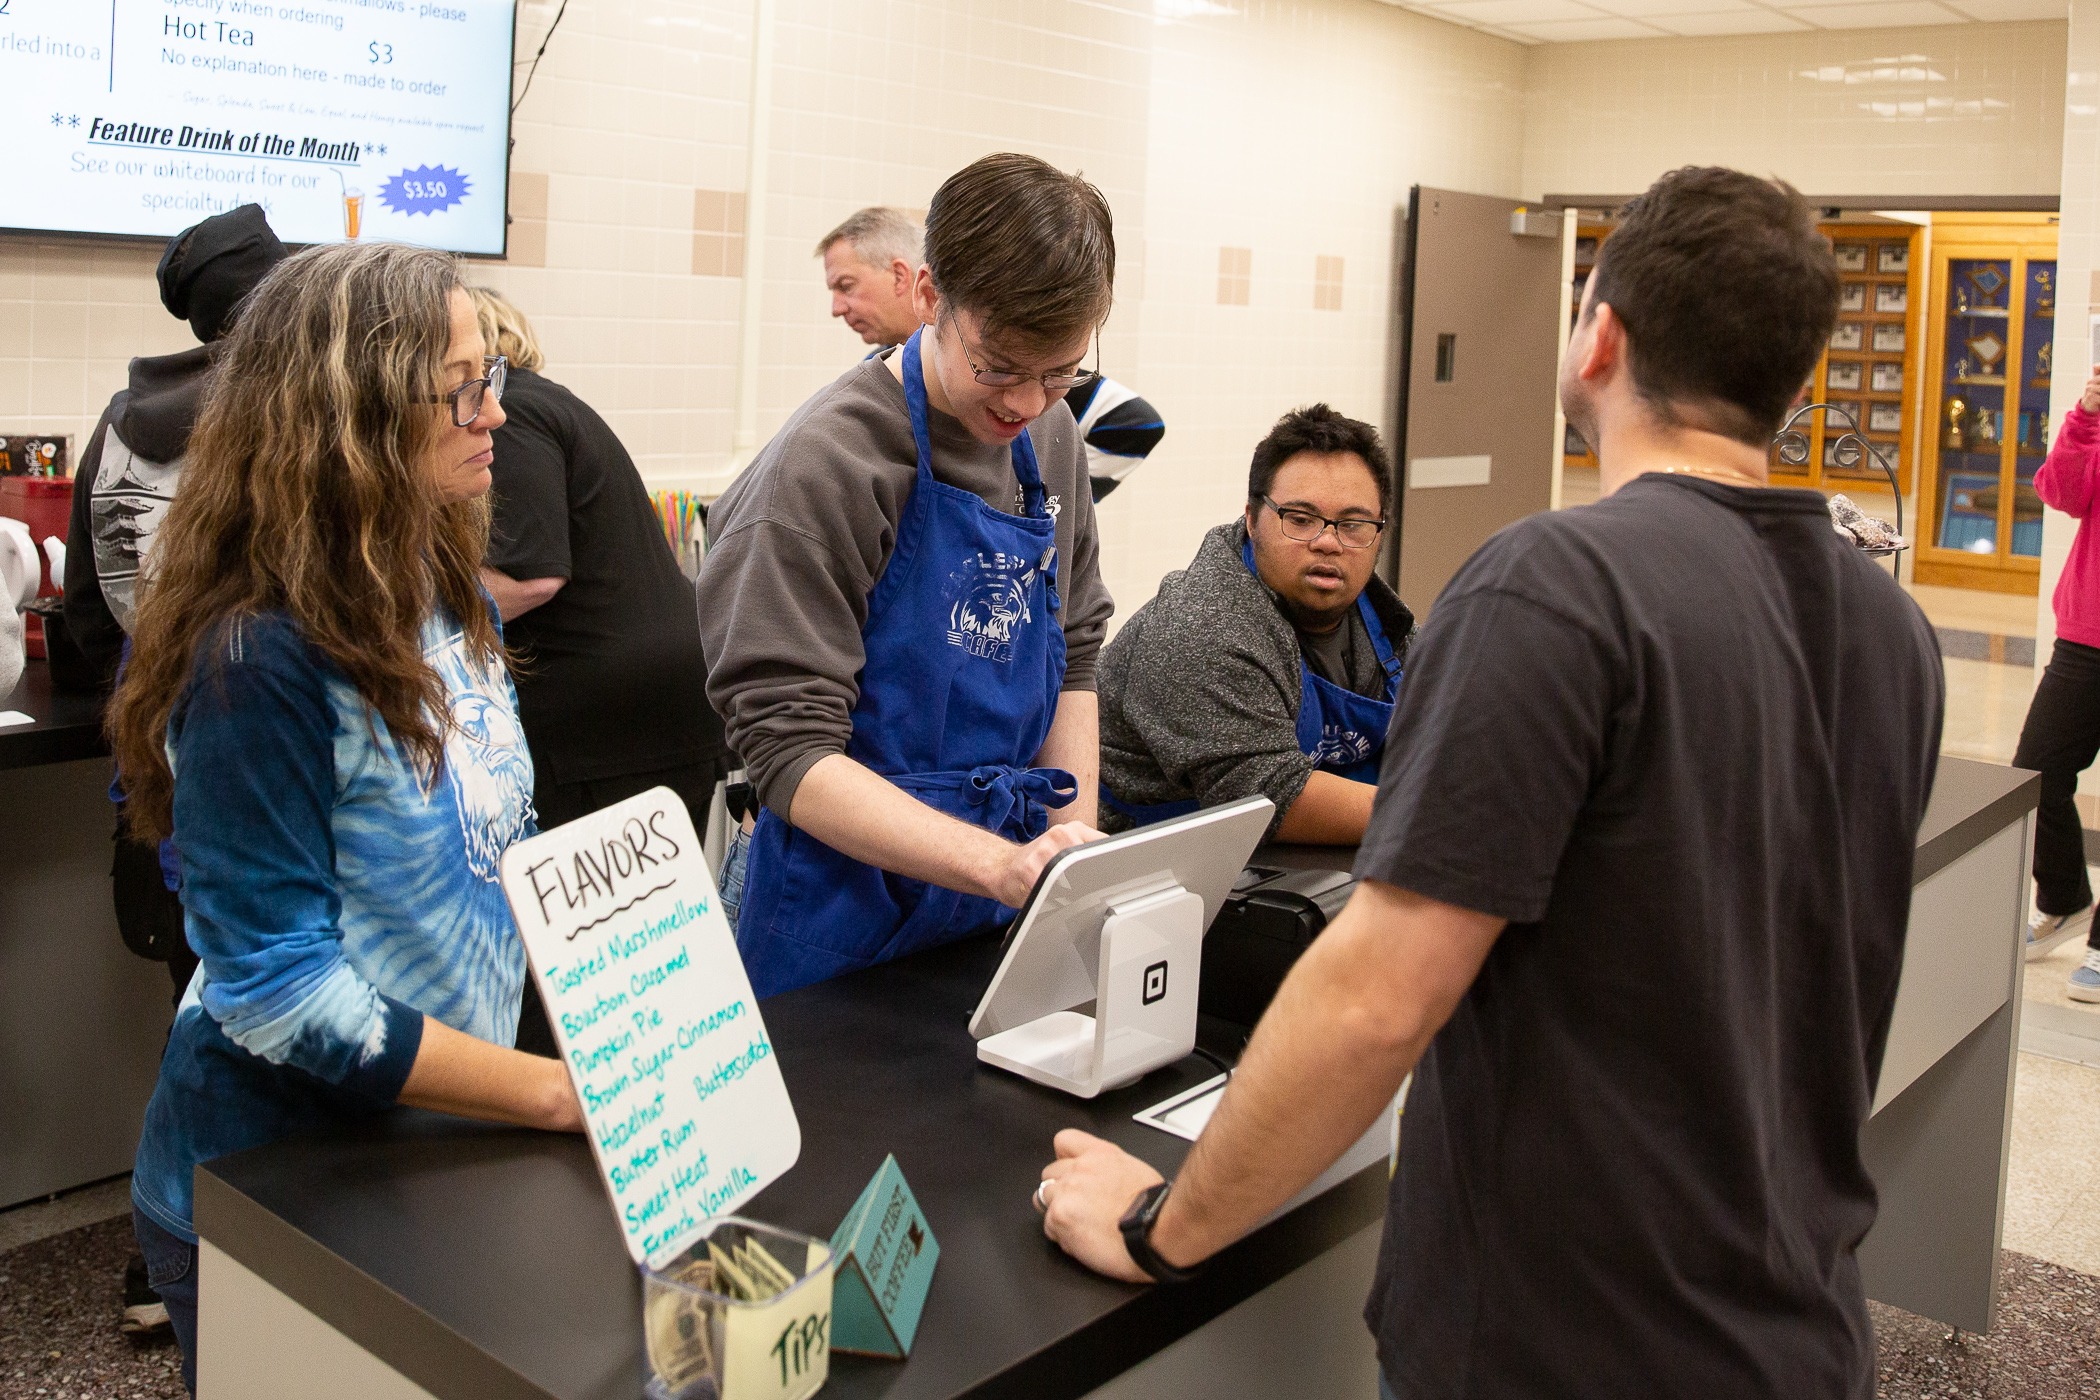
1145, 1209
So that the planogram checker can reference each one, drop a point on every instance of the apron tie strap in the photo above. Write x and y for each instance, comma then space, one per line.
1000, 789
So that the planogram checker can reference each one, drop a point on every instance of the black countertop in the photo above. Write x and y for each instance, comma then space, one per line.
68, 724
1970, 801
486, 1262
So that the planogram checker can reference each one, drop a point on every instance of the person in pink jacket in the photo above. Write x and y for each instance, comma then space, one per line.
2062, 734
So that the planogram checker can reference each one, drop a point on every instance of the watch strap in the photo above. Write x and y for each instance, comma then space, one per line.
1136, 1226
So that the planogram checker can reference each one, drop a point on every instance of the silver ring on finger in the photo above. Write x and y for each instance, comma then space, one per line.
1041, 1199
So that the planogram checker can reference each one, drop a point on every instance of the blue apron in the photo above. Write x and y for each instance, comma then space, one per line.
965, 657
1342, 732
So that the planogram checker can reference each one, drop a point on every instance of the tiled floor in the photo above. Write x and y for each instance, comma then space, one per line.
1986, 704
2010, 614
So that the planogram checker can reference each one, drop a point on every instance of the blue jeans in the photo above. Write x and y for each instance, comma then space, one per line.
1385, 1388
731, 885
171, 1268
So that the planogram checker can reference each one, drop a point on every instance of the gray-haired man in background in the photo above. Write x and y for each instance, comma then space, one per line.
869, 264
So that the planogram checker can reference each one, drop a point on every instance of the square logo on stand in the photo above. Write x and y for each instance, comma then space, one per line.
1155, 983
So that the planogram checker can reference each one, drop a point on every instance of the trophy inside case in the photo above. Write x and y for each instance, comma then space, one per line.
1997, 320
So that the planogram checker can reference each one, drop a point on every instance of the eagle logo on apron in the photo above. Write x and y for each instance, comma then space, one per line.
991, 599
1340, 747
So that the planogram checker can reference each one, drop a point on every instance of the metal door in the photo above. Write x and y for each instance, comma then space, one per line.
1480, 314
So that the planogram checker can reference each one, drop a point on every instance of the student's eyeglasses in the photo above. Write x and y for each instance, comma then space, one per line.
1011, 378
467, 399
1305, 526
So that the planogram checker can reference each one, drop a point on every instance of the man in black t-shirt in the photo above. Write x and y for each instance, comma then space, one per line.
1634, 894
612, 685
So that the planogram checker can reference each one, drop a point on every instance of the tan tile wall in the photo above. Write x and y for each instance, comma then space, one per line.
1292, 128
528, 220
1973, 109
1235, 276
1327, 283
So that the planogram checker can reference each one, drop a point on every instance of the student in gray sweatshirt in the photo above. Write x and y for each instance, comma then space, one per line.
1270, 664
902, 604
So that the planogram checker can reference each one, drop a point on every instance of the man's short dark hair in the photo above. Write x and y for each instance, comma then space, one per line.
1318, 429
1028, 248
1728, 293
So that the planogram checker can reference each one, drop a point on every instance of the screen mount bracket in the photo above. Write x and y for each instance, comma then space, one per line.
1144, 1003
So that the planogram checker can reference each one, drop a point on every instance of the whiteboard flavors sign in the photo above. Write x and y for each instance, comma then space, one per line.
683, 1099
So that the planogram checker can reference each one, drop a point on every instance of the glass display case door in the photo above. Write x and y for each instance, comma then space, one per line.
1993, 322
1870, 370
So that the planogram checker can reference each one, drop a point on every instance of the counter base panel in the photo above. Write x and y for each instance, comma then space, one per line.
1937, 1156
82, 1019
1961, 956
255, 1343
1303, 1335
1940, 1136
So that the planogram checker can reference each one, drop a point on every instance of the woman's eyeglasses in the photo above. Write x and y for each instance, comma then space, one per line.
467, 399
1304, 526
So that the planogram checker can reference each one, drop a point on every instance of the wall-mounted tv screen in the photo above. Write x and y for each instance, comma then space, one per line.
344, 119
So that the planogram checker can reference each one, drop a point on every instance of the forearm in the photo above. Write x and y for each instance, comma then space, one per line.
460, 1074
1348, 1024
1330, 811
1074, 745
859, 813
515, 597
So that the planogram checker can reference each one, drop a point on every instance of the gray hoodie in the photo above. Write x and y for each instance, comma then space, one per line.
1200, 690
121, 493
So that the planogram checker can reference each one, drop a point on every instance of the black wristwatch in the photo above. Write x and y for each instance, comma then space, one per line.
1136, 1226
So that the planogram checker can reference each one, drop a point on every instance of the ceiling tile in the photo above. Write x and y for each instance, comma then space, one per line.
1432, 12
1575, 30
1886, 14
1642, 9
1744, 21
1515, 12
1998, 10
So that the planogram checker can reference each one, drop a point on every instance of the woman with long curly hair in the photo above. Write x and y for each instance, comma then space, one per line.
317, 709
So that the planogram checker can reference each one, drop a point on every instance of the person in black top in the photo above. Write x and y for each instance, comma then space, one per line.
1633, 894
612, 687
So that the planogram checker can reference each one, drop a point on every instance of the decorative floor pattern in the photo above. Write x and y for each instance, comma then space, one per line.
59, 1341
1965, 645
2046, 1345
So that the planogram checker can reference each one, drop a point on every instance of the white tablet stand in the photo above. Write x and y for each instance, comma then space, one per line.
1144, 1003
1097, 984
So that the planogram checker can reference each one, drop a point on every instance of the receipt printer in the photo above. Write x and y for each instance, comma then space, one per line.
1270, 917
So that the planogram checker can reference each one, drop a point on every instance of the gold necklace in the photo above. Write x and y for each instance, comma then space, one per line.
1713, 473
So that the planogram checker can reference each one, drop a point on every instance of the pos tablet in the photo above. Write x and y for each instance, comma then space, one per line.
1118, 923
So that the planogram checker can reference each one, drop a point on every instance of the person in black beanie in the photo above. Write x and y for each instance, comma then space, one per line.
126, 481
134, 457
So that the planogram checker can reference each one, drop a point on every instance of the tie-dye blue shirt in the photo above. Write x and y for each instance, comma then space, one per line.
333, 896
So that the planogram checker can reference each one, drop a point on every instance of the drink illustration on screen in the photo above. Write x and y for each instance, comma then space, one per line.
344, 119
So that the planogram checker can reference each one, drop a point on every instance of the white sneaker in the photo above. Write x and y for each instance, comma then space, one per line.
2085, 982
2048, 932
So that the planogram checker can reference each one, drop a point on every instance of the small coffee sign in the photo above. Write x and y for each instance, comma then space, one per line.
686, 1109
